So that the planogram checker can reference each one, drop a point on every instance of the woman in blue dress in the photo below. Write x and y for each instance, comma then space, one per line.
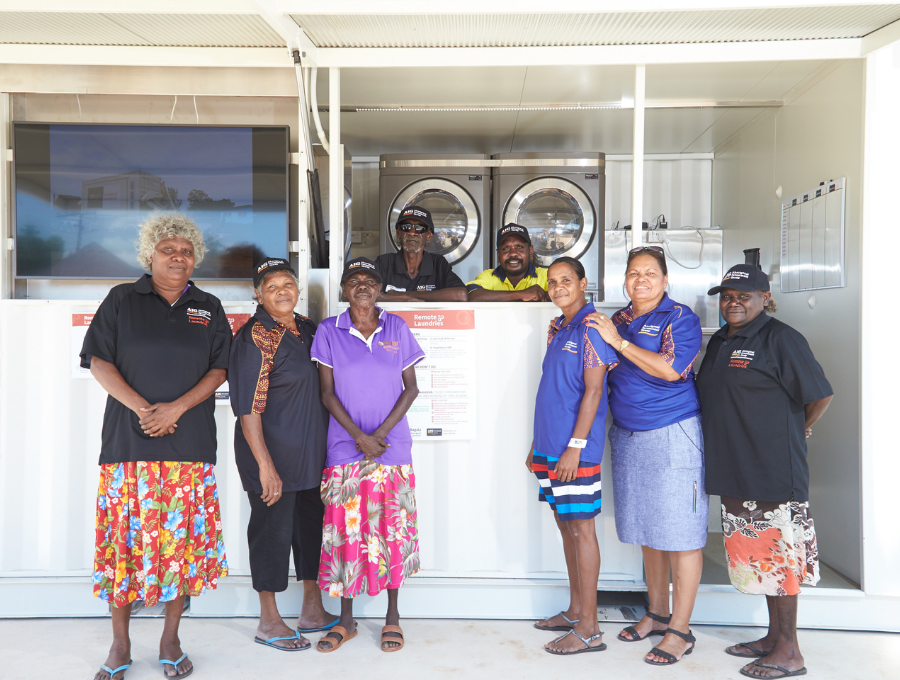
569, 422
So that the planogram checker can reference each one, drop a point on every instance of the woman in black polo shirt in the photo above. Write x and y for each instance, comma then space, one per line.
761, 390
159, 346
279, 446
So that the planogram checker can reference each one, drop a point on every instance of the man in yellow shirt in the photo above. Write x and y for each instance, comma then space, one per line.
516, 278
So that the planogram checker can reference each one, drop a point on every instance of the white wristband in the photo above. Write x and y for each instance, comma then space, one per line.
577, 443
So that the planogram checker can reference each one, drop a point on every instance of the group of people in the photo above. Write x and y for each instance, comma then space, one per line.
324, 450
737, 430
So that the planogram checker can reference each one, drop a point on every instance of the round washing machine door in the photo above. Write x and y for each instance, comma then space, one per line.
557, 213
453, 211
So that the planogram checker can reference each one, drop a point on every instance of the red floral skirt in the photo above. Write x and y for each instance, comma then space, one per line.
158, 532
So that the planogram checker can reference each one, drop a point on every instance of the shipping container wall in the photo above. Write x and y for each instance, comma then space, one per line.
816, 137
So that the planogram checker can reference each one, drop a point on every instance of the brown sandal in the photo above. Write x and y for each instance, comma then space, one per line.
340, 630
385, 638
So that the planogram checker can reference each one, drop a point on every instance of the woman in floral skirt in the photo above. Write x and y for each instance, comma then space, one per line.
367, 372
159, 347
762, 390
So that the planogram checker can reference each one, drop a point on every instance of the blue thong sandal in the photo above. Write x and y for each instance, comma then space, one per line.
166, 662
587, 644
271, 643
113, 671
327, 626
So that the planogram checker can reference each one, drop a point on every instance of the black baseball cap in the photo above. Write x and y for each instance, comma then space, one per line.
513, 229
269, 265
357, 265
415, 213
747, 277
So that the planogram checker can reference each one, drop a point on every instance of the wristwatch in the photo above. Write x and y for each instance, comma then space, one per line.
577, 443
622, 347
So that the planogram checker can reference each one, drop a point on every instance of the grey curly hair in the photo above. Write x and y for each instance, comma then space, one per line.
162, 226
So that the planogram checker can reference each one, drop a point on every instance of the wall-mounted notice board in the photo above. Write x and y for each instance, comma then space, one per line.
812, 238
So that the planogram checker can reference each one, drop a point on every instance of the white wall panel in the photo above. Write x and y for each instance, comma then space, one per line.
679, 189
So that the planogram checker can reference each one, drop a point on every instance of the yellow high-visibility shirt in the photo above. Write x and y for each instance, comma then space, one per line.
496, 279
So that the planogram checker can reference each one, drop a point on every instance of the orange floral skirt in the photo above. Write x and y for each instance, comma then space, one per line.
771, 548
158, 532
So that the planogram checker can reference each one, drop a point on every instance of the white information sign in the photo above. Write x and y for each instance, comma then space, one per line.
445, 407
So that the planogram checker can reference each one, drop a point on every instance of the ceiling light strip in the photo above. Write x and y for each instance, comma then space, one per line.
561, 107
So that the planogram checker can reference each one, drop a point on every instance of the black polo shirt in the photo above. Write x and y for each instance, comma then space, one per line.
162, 352
753, 390
270, 373
434, 274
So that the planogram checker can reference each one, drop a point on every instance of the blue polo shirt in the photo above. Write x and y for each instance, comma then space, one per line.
368, 381
639, 401
570, 349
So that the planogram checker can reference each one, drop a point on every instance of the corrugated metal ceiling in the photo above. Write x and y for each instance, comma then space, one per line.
164, 30
608, 28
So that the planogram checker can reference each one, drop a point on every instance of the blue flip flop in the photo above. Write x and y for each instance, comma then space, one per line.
270, 643
166, 662
113, 671
327, 626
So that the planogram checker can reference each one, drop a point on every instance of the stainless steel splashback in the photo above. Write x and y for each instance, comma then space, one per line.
694, 258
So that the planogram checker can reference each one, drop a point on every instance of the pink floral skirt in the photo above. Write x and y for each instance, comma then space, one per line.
370, 540
158, 532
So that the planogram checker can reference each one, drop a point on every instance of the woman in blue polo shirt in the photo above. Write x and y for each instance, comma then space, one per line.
569, 419
657, 448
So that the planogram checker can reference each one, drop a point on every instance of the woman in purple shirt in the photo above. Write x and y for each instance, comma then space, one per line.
657, 448
367, 372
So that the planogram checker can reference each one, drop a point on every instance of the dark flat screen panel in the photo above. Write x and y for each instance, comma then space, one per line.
82, 191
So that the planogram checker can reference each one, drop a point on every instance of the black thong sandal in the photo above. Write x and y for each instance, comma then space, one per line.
785, 673
755, 652
636, 637
671, 658
587, 644
570, 626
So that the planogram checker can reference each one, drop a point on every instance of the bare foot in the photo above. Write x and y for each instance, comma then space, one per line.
171, 650
784, 656
119, 655
644, 627
556, 621
273, 629
570, 643
672, 644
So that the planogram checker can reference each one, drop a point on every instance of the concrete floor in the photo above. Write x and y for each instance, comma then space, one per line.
224, 649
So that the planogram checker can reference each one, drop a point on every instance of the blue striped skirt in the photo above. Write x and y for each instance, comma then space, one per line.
578, 499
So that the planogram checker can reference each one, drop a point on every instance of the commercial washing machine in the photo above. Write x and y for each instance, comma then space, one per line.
456, 189
559, 198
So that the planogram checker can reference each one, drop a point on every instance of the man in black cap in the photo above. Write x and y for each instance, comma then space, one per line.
412, 273
516, 277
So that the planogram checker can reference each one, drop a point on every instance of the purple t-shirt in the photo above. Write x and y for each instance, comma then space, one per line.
368, 380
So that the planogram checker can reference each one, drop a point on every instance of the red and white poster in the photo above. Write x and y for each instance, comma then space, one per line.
80, 323
236, 321
445, 407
